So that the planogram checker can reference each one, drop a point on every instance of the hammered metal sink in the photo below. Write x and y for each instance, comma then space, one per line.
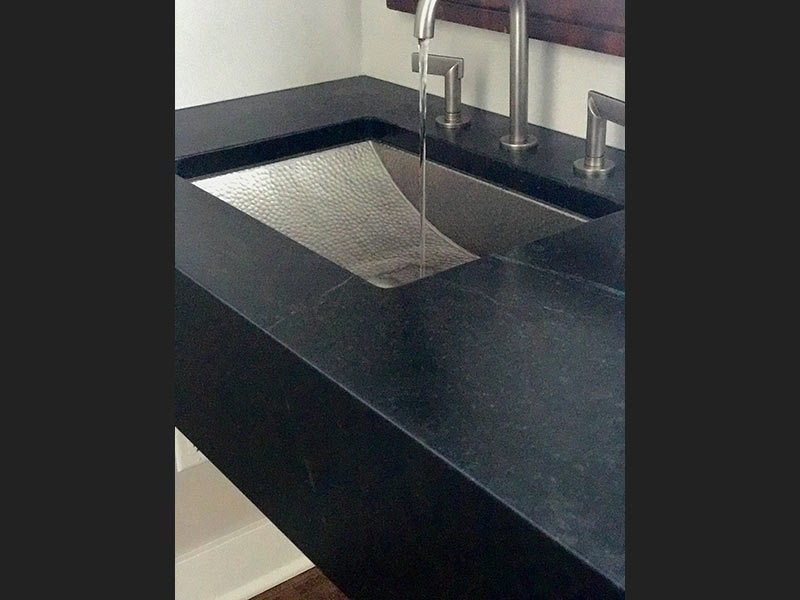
357, 205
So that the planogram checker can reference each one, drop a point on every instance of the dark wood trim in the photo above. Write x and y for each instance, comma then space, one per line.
311, 585
597, 25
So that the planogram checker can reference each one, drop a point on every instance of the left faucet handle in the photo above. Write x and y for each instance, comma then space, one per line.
452, 69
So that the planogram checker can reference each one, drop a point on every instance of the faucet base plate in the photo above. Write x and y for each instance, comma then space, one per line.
581, 170
529, 142
442, 121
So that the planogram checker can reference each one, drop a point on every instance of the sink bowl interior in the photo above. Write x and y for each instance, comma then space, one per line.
482, 217
358, 206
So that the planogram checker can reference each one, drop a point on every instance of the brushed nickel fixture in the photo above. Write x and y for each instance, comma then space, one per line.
518, 137
452, 69
600, 108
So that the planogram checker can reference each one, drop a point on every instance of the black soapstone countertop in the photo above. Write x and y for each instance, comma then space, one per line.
461, 436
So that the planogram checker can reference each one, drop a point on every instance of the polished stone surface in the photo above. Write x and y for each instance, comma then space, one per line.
466, 424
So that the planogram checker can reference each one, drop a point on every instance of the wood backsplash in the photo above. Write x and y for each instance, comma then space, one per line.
597, 25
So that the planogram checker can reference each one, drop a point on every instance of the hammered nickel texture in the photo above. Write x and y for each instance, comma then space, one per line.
342, 204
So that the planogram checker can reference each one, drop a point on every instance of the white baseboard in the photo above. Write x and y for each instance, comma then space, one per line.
239, 565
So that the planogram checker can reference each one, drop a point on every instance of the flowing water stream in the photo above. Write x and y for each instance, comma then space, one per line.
423, 112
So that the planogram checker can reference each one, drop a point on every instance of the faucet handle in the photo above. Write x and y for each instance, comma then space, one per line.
600, 108
439, 64
452, 68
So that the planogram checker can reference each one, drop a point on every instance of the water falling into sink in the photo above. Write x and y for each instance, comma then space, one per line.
423, 112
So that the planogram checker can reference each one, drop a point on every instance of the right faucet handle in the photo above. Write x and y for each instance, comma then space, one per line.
452, 68
600, 108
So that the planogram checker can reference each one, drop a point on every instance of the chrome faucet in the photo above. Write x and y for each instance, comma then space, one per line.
517, 137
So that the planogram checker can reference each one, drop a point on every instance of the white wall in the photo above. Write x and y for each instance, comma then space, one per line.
559, 76
232, 48
225, 548
207, 506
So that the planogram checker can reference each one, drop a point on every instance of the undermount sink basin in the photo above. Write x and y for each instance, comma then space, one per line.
358, 206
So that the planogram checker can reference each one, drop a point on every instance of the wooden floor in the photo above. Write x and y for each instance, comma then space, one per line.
311, 585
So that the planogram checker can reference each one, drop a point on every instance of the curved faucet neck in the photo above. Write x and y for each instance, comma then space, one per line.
425, 19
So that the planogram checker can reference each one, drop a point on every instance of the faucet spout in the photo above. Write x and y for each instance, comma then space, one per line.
517, 137
425, 19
